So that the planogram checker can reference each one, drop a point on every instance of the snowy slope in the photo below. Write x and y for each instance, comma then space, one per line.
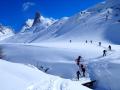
100, 22
20, 77
60, 58
5, 32
51, 31
106, 70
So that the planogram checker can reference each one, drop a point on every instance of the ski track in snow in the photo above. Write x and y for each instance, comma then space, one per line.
54, 84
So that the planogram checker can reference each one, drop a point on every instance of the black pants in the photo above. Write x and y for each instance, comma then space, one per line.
104, 54
83, 74
83, 70
78, 76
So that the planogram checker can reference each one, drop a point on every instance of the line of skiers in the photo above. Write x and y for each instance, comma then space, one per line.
104, 51
81, 68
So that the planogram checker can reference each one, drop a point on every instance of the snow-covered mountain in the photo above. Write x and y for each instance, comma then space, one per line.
100, 22
32, 29
5, 32
38, 22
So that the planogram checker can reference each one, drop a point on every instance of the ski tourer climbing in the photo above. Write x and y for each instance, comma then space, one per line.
78, 60
78, 74
109, 47
104, 52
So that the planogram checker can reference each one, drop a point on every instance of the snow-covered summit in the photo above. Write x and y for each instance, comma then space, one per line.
32, 29
38, 21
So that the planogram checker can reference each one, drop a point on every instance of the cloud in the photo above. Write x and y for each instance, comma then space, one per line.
27, 5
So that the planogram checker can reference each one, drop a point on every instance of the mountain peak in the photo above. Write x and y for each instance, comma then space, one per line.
37, 18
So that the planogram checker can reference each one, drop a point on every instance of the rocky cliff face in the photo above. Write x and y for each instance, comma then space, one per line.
37, 18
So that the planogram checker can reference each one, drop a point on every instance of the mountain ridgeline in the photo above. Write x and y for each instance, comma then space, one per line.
99, 23
5, 32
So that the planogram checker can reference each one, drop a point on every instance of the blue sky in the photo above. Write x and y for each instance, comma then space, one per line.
15, 12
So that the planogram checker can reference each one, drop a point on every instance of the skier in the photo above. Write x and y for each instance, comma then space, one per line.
78, 74
91, 41
99, 43
78, 60
109, 47
70, 41
104, 53
83, 70
86, 41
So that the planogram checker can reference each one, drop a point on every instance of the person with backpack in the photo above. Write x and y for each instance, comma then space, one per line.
83, 69
104, 53
78, 60
109, 47
78, 74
